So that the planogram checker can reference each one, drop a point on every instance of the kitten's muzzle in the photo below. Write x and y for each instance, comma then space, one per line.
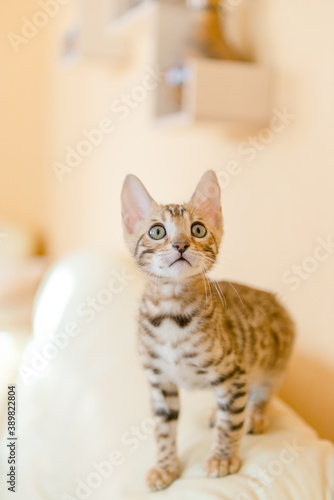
180, 259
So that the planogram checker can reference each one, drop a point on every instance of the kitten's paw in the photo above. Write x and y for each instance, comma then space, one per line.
158, 478
220, 467
256, 422
211, 418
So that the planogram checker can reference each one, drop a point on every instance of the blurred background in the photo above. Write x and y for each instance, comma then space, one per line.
92, 91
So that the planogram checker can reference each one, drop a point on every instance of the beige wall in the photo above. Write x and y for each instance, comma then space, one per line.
276, 208
23, 121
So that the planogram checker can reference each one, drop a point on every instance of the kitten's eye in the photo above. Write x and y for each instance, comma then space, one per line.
198, 230
157, 232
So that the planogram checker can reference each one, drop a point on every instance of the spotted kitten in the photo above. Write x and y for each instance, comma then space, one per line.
196, 333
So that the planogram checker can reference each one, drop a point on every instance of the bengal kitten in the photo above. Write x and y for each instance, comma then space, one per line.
196, 333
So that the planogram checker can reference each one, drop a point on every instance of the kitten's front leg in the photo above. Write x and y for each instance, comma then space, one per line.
165, 402
231, 397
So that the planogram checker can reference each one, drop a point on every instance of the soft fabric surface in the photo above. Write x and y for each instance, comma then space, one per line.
84, 423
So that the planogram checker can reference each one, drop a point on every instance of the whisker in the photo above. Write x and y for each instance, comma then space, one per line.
219, 291
208, 258
206, 292
207, 280
221, 297
236, 293
218, 286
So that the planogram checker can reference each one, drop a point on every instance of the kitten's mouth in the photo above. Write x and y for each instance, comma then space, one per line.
182, 259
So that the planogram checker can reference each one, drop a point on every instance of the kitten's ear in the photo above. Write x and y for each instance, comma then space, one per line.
136, 202
206, 198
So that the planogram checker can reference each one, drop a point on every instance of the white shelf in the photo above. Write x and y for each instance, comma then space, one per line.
228, 91
214, 89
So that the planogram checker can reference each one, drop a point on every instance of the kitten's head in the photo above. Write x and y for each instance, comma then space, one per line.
173, 241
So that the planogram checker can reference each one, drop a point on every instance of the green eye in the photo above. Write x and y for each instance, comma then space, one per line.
198, 230
157, 232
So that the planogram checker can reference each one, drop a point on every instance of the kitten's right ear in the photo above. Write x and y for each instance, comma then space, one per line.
136, 202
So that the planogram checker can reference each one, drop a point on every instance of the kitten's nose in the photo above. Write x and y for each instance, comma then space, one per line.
181, 246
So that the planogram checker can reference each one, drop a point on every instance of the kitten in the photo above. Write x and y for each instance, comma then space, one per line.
196, 333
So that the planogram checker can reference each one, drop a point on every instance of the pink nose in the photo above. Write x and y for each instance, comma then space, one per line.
181, 246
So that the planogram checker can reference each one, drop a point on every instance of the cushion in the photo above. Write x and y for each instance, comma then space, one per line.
85, 428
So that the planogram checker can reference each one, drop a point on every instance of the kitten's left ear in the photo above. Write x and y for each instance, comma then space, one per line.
206, 198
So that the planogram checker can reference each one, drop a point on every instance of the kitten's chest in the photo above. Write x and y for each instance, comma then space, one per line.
180, 370
177, 356
174, 325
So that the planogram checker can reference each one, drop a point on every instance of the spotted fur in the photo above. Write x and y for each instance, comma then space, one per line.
195, 333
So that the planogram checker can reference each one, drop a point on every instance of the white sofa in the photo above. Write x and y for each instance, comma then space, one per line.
84, 424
